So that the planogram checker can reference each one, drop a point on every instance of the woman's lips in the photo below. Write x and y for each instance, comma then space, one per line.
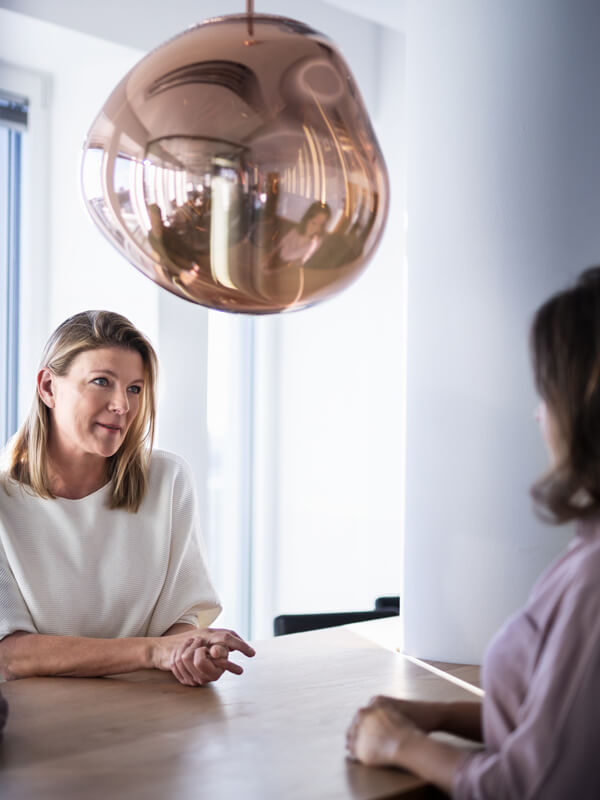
110, 428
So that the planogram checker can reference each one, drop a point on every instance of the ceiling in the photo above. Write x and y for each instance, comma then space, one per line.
144, 24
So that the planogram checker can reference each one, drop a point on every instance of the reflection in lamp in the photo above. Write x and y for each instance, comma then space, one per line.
222, 199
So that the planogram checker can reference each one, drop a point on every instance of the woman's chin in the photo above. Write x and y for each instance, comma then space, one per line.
107, 446
106, 450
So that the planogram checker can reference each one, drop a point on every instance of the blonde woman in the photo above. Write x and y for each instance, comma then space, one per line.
101, 570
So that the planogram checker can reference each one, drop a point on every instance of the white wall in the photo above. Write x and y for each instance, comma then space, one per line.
340, 411
503, 208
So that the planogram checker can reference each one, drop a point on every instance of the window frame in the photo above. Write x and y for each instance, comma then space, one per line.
9, 272
34, 234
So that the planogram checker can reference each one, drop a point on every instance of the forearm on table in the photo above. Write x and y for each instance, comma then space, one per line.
435, 762
25, 655
462, 719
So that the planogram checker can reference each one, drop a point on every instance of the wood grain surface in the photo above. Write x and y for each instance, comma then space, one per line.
275, 733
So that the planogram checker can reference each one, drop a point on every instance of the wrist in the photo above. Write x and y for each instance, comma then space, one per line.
151, 653
408, 748
439, 717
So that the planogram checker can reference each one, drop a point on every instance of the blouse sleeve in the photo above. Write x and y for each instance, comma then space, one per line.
553, 751
187, 594
14, 614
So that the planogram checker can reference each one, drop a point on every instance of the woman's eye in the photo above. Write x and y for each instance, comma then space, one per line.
135, 389
100, 381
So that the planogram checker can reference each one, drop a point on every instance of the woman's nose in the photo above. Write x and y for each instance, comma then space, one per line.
119, 402
539, 412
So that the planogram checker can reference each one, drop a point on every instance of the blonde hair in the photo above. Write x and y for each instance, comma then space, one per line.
128, 467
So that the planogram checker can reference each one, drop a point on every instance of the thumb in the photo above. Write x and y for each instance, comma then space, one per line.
218, 651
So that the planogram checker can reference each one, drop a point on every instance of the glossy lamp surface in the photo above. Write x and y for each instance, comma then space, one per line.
236, 166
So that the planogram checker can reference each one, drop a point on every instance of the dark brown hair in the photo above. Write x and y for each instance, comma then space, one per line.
565, 351
313, 210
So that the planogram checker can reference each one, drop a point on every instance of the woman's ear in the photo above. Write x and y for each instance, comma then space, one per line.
45, 387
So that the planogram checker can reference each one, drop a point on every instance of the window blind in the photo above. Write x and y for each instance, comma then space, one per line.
13, 110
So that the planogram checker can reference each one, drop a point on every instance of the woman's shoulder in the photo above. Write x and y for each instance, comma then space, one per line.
11, 489
170, 480
5, 479
582, 558
164, 465
572, 580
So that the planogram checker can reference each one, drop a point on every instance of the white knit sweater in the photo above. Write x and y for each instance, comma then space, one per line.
77, 568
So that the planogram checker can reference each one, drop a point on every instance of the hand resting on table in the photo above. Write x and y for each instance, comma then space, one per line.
197, 657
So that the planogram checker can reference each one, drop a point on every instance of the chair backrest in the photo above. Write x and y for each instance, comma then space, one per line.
296, 623
390, 601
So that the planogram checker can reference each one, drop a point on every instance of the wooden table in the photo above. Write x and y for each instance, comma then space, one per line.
276, 733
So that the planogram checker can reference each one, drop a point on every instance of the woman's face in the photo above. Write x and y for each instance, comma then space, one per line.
315, 226
549, 429
94, 404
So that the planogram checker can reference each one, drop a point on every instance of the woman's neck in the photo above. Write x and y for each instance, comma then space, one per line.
74, 477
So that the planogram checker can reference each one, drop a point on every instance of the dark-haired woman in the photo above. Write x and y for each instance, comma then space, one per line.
539, 721
101, 570
303, 240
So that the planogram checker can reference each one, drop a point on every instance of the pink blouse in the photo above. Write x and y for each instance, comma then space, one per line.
541, 676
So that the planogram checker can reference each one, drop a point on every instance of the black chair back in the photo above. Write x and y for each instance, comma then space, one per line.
298, 623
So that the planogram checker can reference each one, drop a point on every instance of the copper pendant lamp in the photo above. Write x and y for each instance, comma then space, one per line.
236, 166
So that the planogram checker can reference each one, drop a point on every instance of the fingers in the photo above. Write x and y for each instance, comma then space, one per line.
191, 664
230, 639
229, 666
204, 666
352, 733
179, 667
242, 646
194, 664
217, 651
379, 700
235, 642
203, 656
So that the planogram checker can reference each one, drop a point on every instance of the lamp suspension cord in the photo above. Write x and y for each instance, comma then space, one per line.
249, 14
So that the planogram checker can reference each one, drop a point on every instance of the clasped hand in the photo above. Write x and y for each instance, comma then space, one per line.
197, 657
380, 731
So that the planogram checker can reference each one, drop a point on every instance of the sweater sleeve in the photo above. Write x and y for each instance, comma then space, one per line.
187, 594
553, 751
14, 614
